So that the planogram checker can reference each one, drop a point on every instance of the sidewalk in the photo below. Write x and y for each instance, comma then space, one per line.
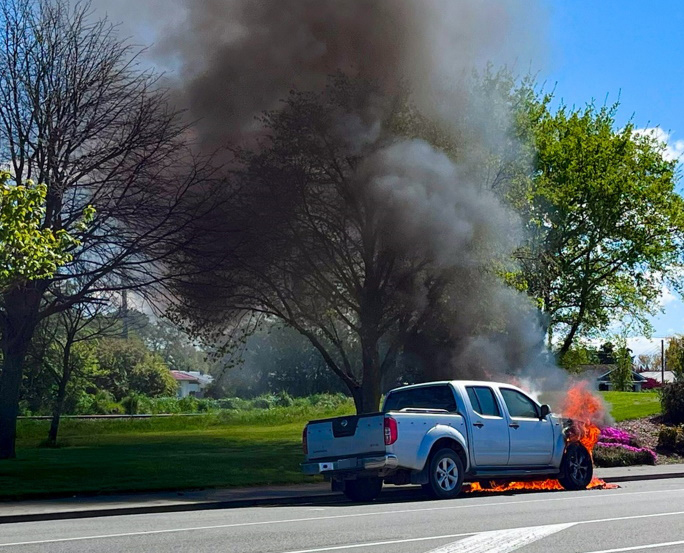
165, 502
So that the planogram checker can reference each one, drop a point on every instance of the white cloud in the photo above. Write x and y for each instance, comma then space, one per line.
666, 296
674, 149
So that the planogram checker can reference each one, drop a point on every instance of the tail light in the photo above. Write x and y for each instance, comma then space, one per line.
391, 433
305, 445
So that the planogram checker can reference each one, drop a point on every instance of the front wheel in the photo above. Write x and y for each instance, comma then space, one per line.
363, 489
577, 468
446, 474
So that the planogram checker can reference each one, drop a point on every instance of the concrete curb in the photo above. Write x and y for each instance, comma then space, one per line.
172, 508
640, 477
247, 502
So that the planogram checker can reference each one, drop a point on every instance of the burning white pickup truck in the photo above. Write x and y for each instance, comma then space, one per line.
441, 434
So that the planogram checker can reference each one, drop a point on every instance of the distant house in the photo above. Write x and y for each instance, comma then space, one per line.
604, 381
191, 383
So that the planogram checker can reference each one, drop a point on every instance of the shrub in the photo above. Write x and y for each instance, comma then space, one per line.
651, 384
672, 401
261, 403
188, 404
282, 399
102, 403
131, 404
619, 455
679, 444
234, 403
206, 405
667, 438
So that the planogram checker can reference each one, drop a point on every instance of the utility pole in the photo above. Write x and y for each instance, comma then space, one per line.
662, 361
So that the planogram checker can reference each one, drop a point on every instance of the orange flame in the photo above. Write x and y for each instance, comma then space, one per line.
584, 408
533, 485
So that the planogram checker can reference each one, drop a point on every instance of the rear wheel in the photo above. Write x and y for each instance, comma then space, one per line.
363, 489
445, 474
577, 468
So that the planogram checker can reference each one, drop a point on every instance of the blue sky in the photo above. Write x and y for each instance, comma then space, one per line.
629, 50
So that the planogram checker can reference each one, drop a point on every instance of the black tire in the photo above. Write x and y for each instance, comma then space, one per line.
577, 468
445, 474
363, 489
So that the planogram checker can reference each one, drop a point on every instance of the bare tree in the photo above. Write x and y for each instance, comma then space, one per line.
78, 114
646, 361
312, 238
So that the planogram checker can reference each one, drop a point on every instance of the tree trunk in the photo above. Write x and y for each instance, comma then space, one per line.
57, 412
371, 384
10, 384
58, 406
61, 390
19, 323
358, 400
567, 343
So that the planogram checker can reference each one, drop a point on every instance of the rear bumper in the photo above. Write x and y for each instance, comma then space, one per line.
379, 463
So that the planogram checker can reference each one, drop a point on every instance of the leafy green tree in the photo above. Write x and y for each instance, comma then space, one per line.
604, 220
28, 250
621, 377
674, 356
577, 356
606, 354
151, 377
128, 366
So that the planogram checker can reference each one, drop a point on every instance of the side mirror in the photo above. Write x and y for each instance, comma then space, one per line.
545, 410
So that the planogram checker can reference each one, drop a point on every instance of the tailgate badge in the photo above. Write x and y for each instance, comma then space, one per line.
344, 423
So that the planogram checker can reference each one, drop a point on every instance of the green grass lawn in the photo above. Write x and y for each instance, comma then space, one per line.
632, 405
216, 450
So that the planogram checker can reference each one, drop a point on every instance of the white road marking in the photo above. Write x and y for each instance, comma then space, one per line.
640, 547
502, 541
466, 505
505, 541
488, 545
630, 517
377, 543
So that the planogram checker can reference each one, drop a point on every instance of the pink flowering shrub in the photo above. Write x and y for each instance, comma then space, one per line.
619, 448
615, 435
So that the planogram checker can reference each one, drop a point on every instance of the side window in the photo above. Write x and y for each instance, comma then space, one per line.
430, 397
483, 401
519, 405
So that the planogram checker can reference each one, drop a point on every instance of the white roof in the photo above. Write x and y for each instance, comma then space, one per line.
657, 375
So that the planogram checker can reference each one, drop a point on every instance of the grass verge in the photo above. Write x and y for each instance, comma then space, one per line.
223, 449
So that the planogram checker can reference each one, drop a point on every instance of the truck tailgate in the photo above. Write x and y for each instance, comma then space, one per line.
346, 436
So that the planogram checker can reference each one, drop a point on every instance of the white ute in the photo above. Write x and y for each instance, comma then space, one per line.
441, 434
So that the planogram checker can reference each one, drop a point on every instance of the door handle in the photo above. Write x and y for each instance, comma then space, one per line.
478, 424
514, 425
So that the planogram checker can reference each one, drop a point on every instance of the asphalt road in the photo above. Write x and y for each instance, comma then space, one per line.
640, 516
